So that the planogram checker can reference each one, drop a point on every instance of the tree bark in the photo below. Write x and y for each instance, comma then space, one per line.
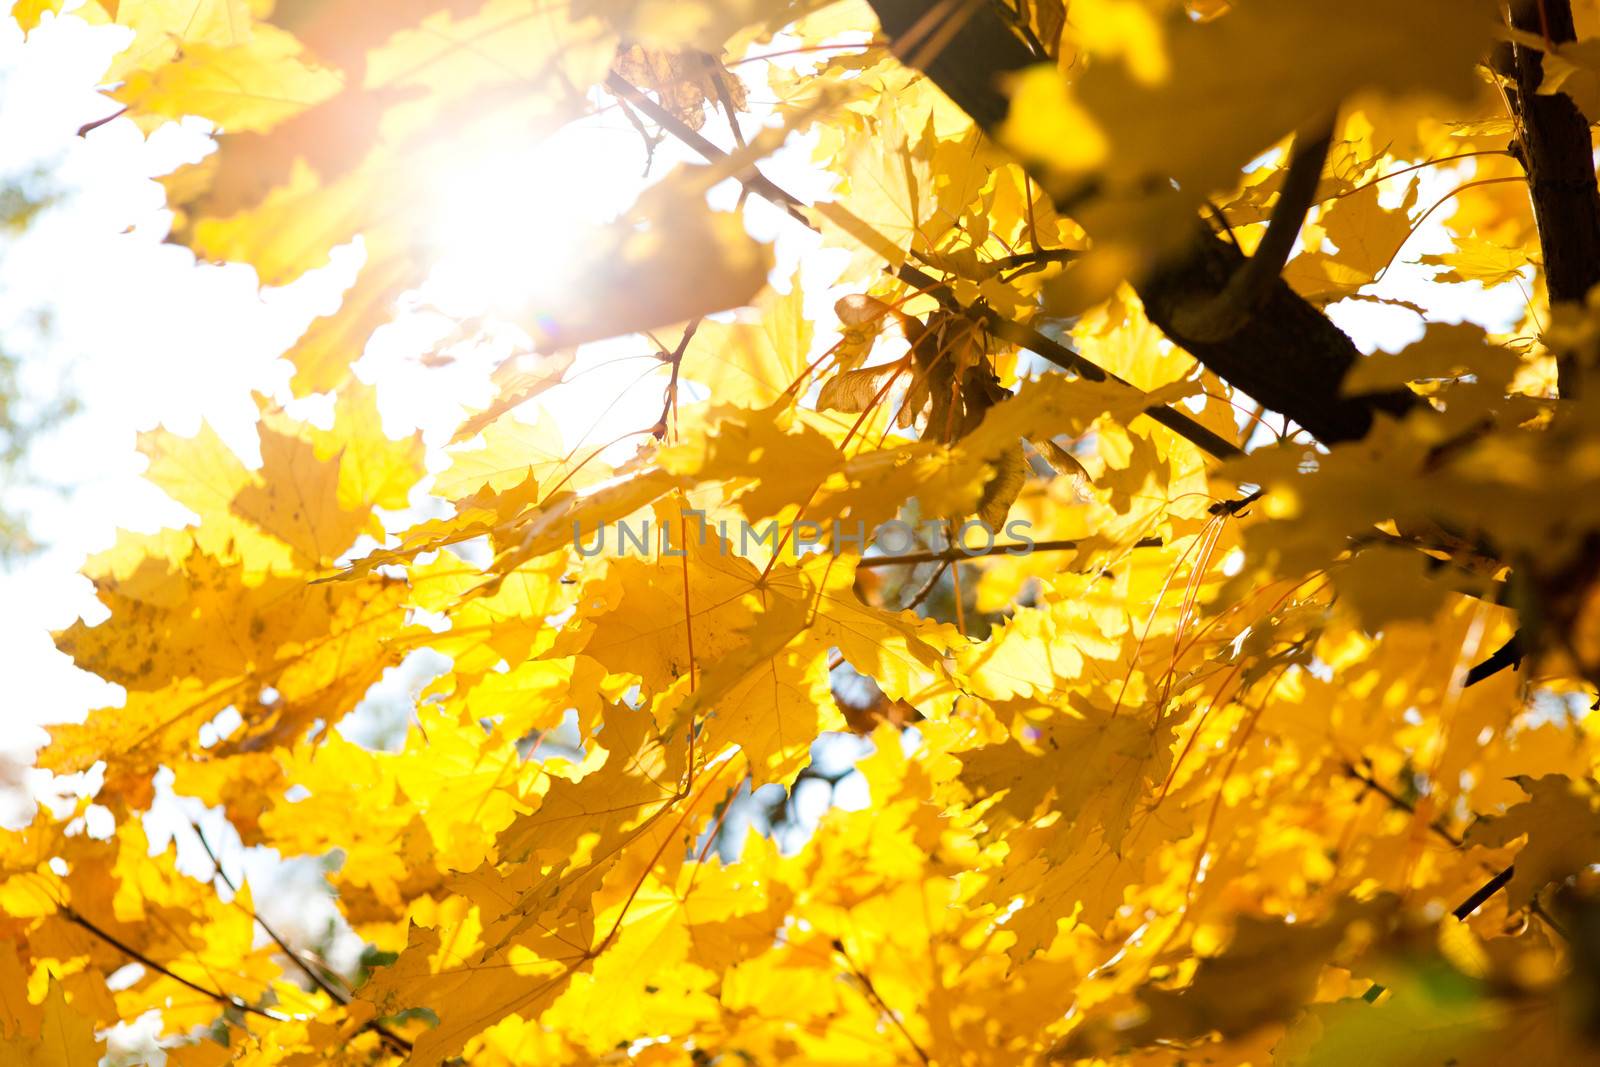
1288, 356
1555, 149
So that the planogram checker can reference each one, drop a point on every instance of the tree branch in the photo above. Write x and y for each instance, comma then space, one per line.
294, 957
883, 1005
396, 1043
1027, 337
1039, 257
1482, 894
669, 400
1289, 356
959, 555
1556, 152
1395, 800
1207, 440
1223, 315
238, 1004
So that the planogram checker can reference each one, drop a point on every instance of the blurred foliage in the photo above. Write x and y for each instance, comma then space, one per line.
24, 413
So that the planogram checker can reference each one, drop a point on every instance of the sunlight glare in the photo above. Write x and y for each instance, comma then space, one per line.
512, 229
510, 222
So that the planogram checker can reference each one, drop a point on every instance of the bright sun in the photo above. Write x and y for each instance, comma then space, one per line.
510, 222
512, 225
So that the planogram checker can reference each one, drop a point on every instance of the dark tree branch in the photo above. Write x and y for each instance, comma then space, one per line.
318, 980
395, 1042
1507, 656
1220, 317
1395, 800
1481, 895
1555, 149
1039, 257
1288, 355
1027, 337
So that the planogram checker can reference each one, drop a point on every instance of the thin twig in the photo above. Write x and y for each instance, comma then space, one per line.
1018, 548
675, 357
927, 587
294, 956
877, 998
89, 127
1485, 891
1025, 336
1028, 262
955, 578
644, 135
395, 1042
1396, 800
1040, 255
1019, 21
238, 1004
715, 72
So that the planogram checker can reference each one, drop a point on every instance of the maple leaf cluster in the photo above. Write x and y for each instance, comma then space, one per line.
1277, 747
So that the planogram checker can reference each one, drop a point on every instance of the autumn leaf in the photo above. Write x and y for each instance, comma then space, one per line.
937, 654
65, 1038
729, 268
1559, 820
